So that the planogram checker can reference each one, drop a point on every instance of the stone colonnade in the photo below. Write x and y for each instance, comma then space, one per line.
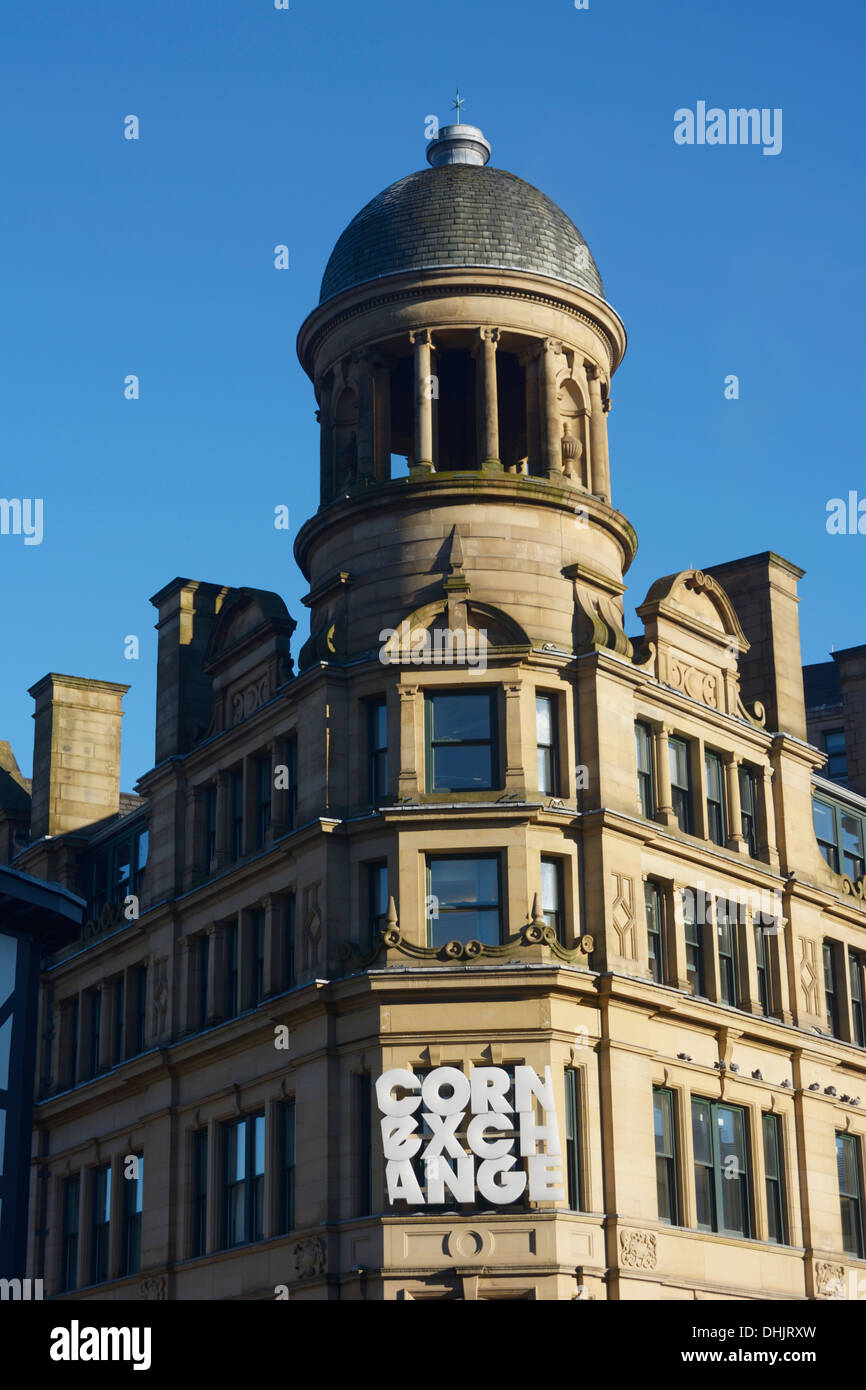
354, 415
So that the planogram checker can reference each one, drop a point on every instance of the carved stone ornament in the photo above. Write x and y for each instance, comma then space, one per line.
110, 919
692, 681
809, 973
854, 888
829, 1280
245, 702
534, 934
160, 993
154, 1288
637, 1249
623, 915
309, 1258
598, 623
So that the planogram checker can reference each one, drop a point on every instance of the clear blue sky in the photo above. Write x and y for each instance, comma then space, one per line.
261, 127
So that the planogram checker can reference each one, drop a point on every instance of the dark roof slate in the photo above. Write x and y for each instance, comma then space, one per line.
460, 215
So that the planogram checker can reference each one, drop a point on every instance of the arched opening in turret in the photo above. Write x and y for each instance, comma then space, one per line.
511, 390
572, 414
455, 430
402, 413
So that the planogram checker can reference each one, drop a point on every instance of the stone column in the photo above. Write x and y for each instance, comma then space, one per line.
106, 1011
408, 778
422, 341
552, 433
215, 1208
194, 867
515, 776
766, 813
664, 803
278, 794
748, 994
248, 803
222, 820
598, 461
735, 815
326, 446
215, 972
85, 1222
364, 362
707, 909
698, 774
488, 398
271, 963
675, 936
777, 945
185, 985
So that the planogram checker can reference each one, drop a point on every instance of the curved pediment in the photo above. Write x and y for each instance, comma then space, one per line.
450, 631
249, 617
695, 599
693, 630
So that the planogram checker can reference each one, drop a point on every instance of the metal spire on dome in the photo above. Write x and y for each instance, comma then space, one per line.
458, 144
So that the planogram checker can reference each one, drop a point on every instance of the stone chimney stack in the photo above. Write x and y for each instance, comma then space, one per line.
76, 753
188, 610
763, 590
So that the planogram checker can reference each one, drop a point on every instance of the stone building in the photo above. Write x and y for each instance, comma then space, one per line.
469, 824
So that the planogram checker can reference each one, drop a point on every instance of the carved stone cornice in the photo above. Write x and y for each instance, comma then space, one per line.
391, 942
321, 322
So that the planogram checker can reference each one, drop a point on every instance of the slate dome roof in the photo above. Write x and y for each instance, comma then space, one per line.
460, 214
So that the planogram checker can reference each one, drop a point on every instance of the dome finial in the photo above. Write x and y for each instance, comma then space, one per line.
458, 144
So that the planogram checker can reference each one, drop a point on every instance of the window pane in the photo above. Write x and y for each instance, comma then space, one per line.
237, 1152
459, 881
652, 900
822, 817
663, 1118
545, 769
679, 758
701, 1134
458, 717
259, 1145
714, 776
732, 1152
466, 893
852, 846
549, 886
462, 769
704, 1197
772, 1161
747, 790
482, 925
846, 1159
544, 719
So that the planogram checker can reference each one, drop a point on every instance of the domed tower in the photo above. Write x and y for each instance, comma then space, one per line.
462, 353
